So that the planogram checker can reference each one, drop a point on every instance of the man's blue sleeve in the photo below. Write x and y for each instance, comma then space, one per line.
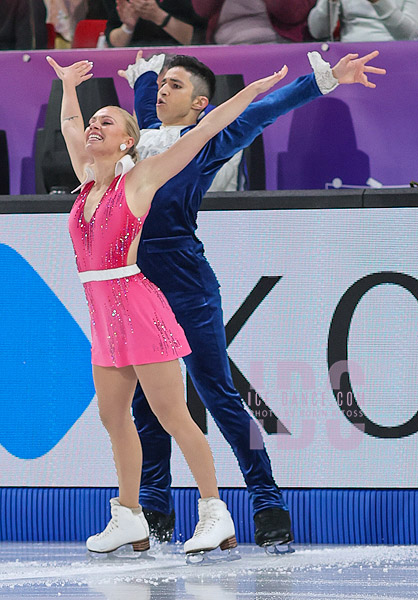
145, 100
242, 132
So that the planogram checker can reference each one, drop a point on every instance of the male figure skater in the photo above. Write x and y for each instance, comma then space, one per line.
172, 256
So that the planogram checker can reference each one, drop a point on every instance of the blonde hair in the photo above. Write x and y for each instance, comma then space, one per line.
132, 129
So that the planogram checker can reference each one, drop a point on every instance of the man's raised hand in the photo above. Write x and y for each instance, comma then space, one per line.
140, 66
351, 69
124, 72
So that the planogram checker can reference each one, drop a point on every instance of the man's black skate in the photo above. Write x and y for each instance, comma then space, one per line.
161, 526
273, 530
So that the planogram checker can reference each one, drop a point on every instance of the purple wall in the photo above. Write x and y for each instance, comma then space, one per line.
353, 134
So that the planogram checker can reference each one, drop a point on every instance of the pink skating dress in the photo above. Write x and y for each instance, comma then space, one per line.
131, 320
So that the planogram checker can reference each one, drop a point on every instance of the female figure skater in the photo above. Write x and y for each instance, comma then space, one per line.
134, 333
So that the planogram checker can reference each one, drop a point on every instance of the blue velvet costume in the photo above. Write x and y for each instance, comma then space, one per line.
173, 258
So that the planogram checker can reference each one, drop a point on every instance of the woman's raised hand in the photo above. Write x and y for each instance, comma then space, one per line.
263, 85
75, 73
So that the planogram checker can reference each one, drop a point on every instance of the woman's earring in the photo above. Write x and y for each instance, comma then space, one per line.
123, 147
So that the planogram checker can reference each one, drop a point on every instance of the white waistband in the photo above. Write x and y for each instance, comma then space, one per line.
106, 274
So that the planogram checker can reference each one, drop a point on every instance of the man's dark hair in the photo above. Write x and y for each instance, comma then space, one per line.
202, 78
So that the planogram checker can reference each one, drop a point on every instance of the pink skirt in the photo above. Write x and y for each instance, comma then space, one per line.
132, 323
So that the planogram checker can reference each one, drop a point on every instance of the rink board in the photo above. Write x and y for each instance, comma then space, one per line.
50, 433
318, 516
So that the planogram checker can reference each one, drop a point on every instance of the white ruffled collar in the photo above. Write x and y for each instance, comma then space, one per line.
123, 166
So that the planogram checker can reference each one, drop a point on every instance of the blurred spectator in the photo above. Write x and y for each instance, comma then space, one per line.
22, 25
152, 23
96, 10
64, 16
254, 21
365, 20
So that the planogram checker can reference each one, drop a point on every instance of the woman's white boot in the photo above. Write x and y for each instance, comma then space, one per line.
214, 528
127, 526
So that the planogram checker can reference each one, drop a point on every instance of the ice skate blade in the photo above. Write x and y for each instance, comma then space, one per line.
276, 549
210, 557
119, 555
139, 547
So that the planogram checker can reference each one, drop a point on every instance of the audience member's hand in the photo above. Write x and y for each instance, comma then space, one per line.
73, 74
150, 11
127, 12
351, 69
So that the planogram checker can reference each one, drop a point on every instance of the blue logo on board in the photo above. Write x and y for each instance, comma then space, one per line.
46, 380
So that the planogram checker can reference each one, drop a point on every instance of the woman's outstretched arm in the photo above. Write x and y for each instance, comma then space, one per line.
155, 171
72, 125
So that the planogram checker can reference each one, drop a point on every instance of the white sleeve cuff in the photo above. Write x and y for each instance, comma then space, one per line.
323, 73
155, 63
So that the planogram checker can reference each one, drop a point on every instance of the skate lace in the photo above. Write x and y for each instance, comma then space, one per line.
110, 527
204, 526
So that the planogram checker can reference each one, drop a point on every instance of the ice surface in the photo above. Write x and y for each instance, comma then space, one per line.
40, 570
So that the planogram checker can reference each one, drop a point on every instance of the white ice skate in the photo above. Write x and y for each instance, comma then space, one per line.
127, 526
215, 529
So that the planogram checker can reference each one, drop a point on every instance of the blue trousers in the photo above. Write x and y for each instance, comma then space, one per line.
200, 314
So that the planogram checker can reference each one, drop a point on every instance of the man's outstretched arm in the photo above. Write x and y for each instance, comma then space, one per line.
242, 132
